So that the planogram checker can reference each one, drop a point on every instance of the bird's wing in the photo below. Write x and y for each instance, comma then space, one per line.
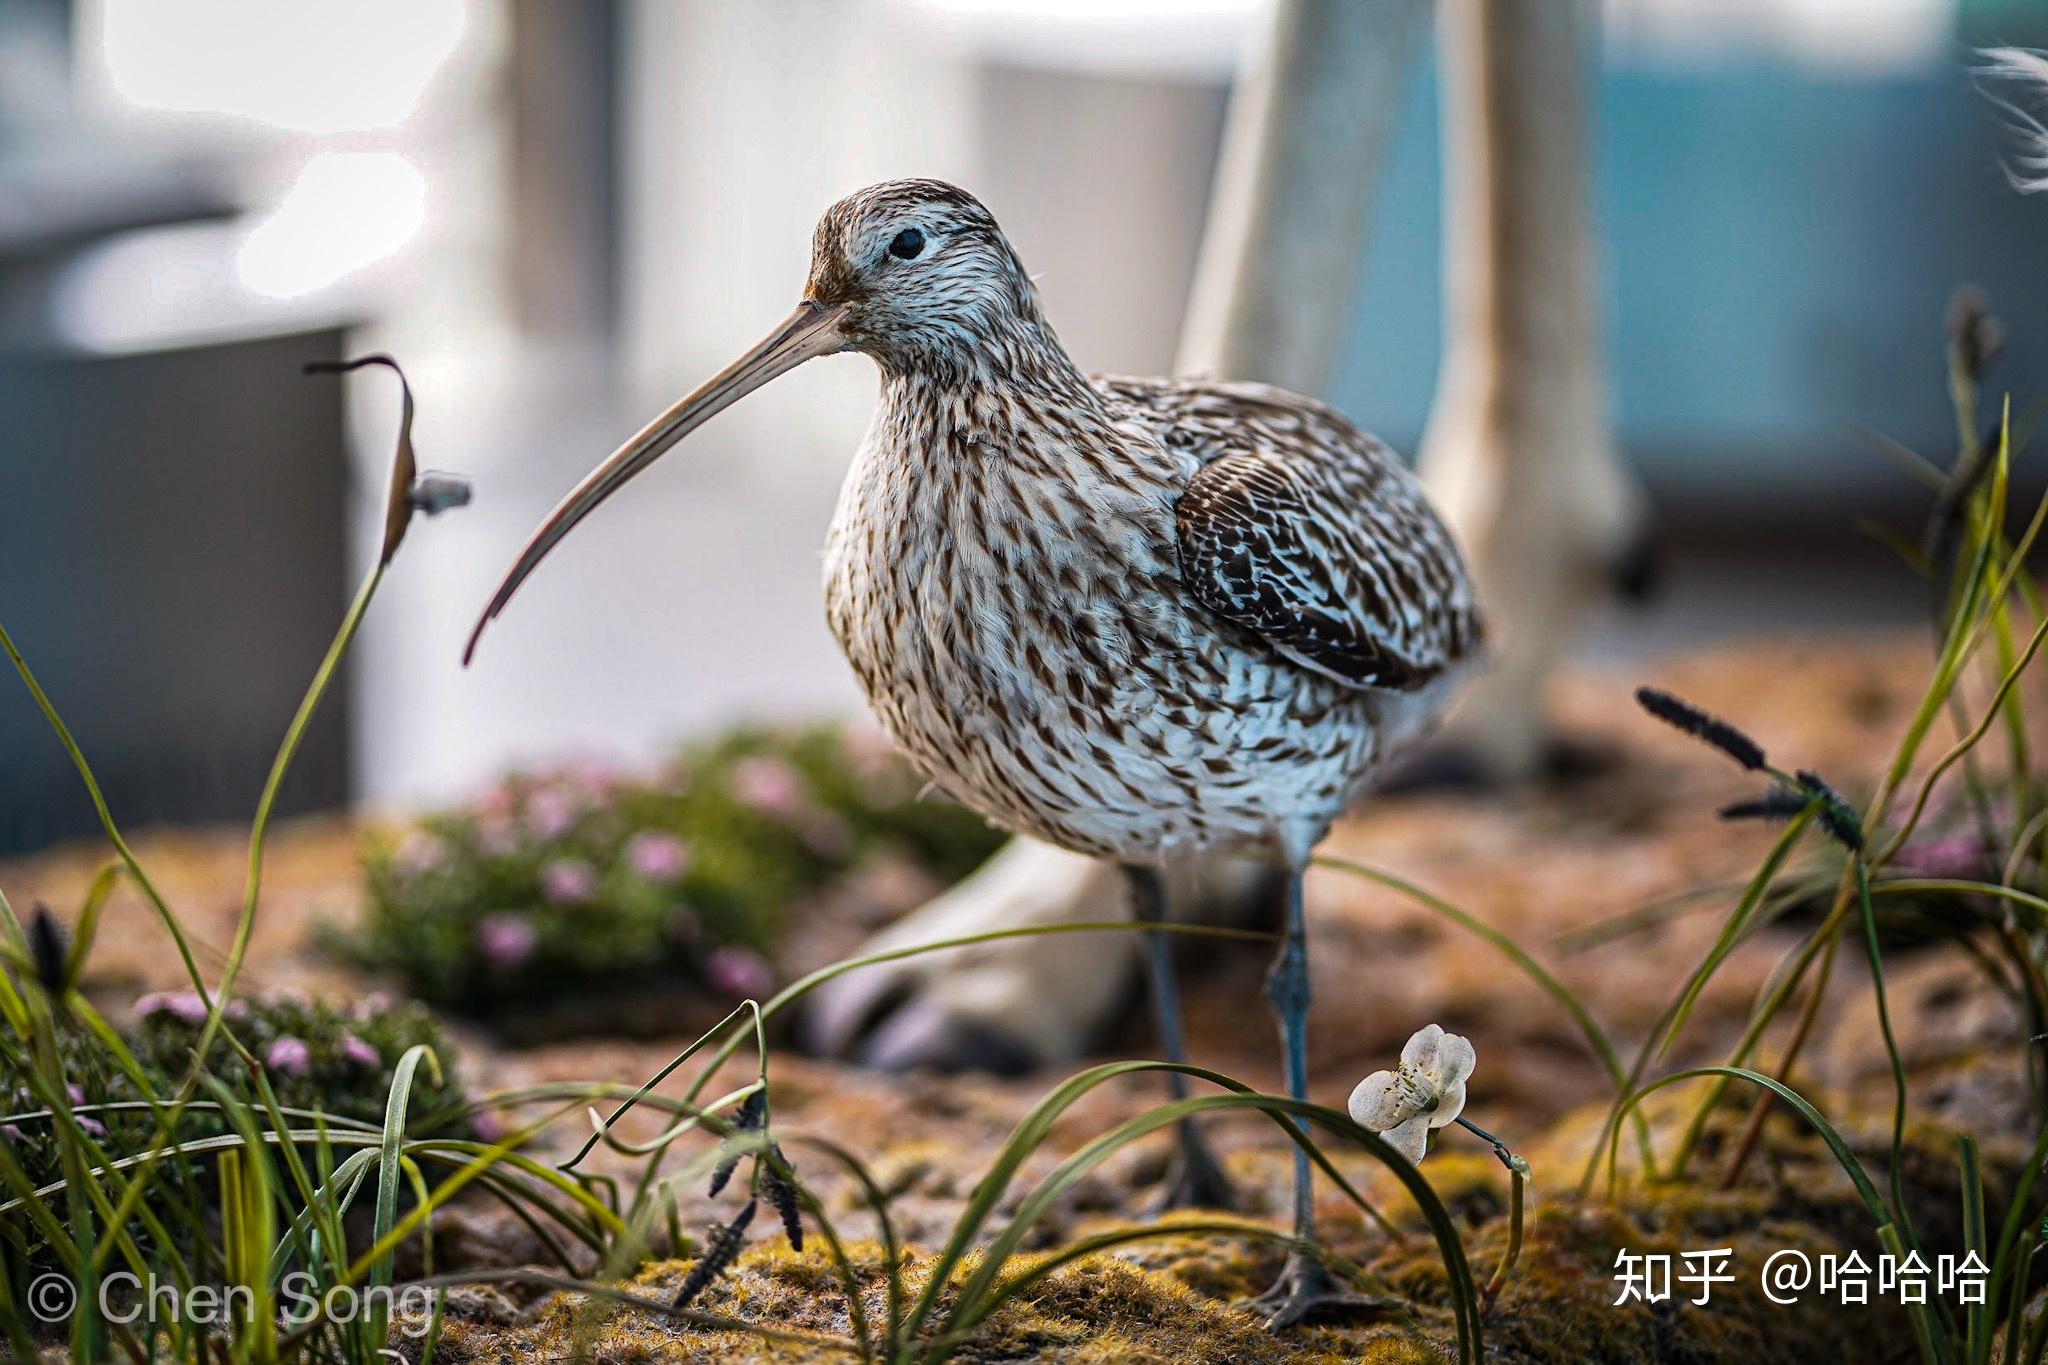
1303, 529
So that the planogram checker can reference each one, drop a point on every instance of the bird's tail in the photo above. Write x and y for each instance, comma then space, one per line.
2017, 81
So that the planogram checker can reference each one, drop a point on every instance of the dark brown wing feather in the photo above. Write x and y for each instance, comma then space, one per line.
1303, 529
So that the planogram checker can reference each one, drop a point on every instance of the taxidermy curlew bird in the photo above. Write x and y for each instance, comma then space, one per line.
1132, 617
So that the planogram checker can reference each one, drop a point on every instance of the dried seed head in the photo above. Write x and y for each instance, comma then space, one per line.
1779, 803
435, 493
1975, 335
721, 1174
782, 1196
1707, 729
1945, 518
721, 1249
1842, 821
46, 950
752, 1112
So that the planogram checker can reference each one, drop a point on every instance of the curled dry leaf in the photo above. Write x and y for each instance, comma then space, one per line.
398, 499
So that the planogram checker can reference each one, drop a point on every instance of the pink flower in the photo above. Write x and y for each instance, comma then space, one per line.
657, 856
421, 852
10, 1133
288, 1055
506, 939
769, 785
550, 813
488, 1125
375, 1005
496, 836
597, 778
568, 881
92, 1127
184, 1006
359, 1052
498, 800
740, 973
1957, 856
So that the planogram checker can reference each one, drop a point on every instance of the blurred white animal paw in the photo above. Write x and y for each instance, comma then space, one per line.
1012, 1004
1003, 1006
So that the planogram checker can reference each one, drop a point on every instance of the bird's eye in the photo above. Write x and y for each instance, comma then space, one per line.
907, 244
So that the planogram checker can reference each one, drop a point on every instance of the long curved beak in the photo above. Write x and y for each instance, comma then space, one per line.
812, 330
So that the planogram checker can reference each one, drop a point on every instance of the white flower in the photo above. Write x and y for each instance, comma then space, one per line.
1428, 1091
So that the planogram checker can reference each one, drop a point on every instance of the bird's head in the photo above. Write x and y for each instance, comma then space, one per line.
919, 275
914, 273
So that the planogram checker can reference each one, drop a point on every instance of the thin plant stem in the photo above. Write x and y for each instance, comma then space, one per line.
1500, 1149
1518, 1172
99, 805
1891, 1048
1753, 1128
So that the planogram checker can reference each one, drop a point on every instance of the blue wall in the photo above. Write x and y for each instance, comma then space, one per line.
1780, 249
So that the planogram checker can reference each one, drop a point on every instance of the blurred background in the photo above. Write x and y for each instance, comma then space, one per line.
560, 214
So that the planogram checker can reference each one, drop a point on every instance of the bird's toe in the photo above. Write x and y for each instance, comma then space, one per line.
1436, 767
923, 1035
841, 1013
1307, 1292
1194, 1178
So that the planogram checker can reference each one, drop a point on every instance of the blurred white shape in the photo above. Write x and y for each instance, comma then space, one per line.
1157, 37
345, 211
2028, 73
180, 284
1869, 36
154, 287
304, 65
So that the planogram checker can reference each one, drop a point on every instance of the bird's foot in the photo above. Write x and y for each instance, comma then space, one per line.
1194, 1178
1306, 1292
923, 1035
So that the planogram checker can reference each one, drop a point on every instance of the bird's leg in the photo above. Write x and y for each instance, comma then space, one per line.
1306, 1288
1194, 1180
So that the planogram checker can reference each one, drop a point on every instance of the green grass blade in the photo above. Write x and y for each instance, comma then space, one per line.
1977, 1336
106, 817
396, 1102
1731, 932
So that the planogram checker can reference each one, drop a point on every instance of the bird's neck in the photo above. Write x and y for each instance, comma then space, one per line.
1005, 384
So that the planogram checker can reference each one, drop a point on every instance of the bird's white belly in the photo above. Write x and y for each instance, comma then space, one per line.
1097, 716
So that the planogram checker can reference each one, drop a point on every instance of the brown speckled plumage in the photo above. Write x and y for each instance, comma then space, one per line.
1128, 616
